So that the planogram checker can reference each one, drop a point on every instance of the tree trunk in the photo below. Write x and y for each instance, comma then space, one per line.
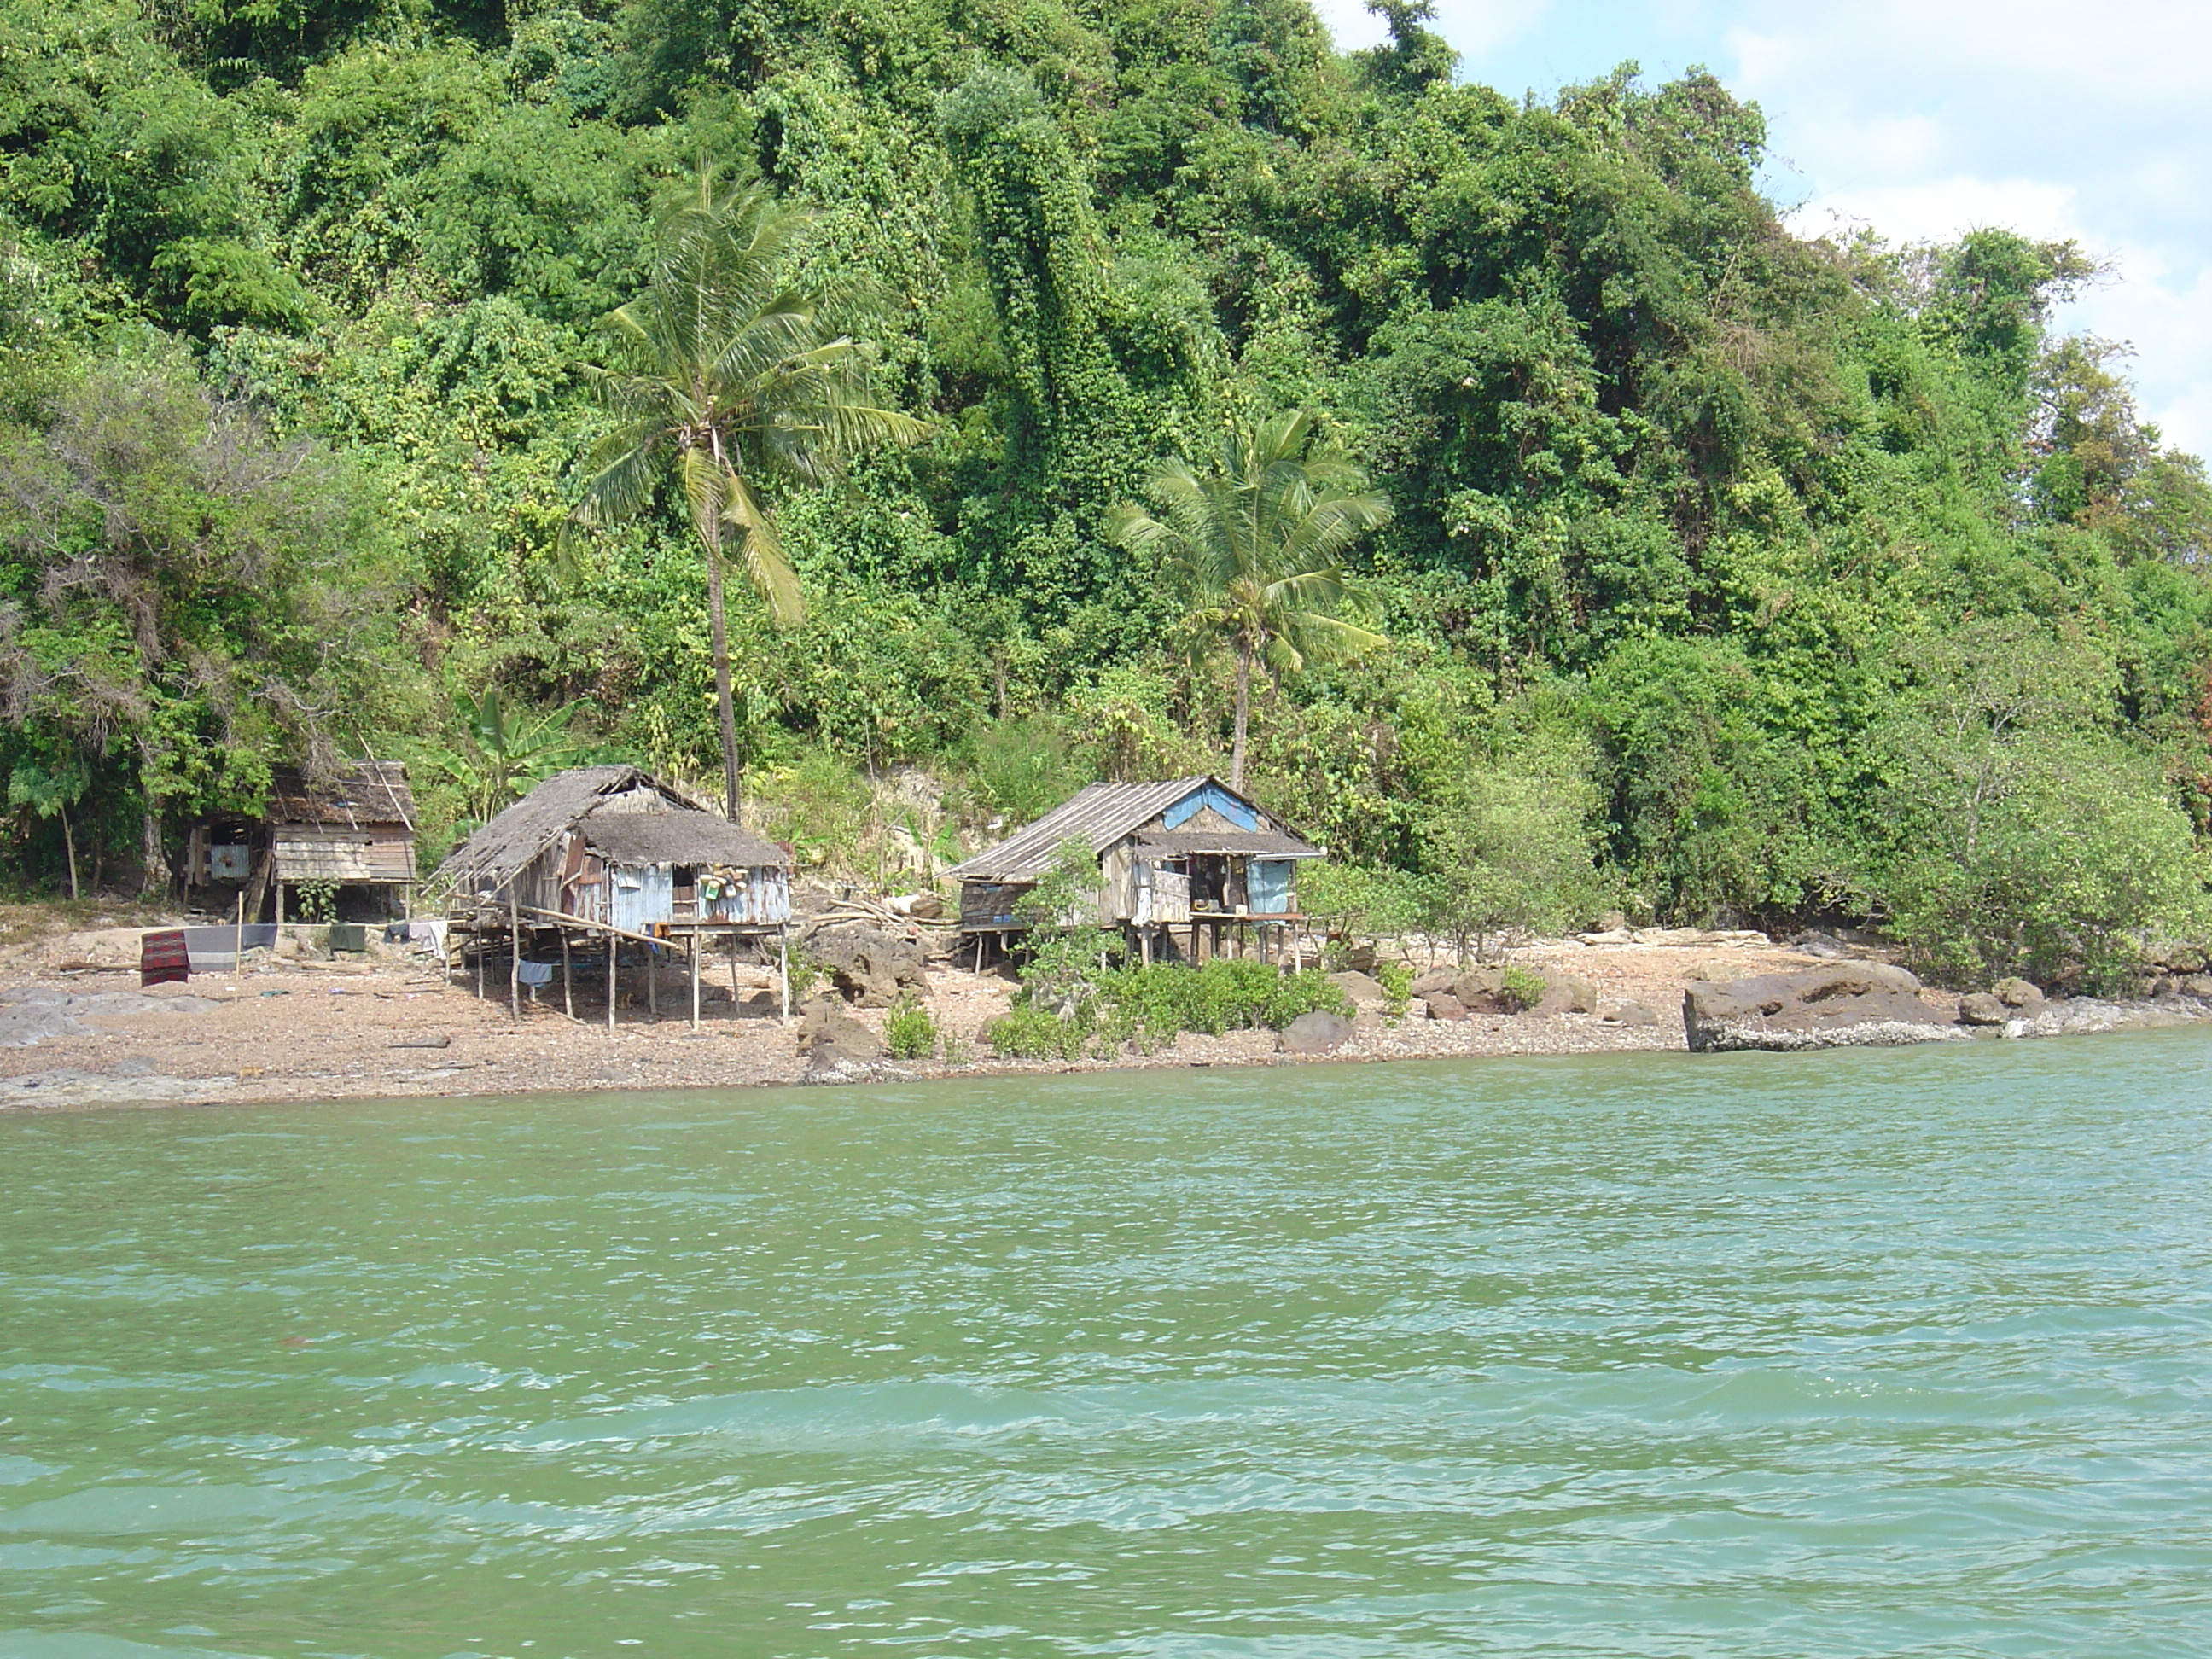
155, 878
69, 845
1243, 715
725, 705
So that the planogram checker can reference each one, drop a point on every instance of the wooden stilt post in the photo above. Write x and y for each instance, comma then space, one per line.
695, 982
513, 954
652, 980
238, 950
1145, 944
783, 967
611, 942
476, 937
567, 982
732, 940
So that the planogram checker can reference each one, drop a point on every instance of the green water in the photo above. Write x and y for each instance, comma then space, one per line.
1901, 1353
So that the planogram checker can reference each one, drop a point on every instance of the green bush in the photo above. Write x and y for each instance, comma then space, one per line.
1026, 1031
1154, 1006
909, 1032
1396, 979
1521, 989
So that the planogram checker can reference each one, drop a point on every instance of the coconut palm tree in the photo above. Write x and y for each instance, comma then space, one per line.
727, 380
1255, 547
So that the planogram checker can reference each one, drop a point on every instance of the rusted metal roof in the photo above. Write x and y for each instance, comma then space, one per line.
1102, 814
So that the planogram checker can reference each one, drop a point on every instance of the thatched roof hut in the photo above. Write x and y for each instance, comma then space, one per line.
616, 846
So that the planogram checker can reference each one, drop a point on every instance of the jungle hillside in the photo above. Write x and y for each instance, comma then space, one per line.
1106, 390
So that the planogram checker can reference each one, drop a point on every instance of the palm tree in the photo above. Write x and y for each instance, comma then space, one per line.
1256, 548
726, 380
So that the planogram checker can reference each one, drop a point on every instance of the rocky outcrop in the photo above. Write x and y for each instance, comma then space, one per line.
1982, 1008
1849, 1004
1566, 994
1360, 988
871, 967
831, 1039
30, 1016
1314, 1033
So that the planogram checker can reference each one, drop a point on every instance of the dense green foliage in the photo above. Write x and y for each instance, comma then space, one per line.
1691, 517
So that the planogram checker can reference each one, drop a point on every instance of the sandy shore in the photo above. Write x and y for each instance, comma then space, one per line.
311, 1031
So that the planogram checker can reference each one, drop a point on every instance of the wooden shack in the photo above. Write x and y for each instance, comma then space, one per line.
1189, 853
611, 854
351, 831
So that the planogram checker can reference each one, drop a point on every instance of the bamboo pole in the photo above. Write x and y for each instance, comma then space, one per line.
783, 965
567, 983
514, 955
610, 979
695, 982
238, 950
653, 981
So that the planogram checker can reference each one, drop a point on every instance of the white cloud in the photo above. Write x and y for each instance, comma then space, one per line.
1923, 118
1476, 27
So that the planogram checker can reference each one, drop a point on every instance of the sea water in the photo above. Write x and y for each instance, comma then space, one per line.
1852, 1354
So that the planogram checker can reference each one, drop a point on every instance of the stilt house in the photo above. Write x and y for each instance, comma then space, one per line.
1187, 850
354, 830
615, 846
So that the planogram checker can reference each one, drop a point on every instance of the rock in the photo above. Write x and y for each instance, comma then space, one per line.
871, 967
1314, 1033
1436, 980
1480, 987
27, 1025
1826, 947
1852, 1003
1566, 994
829, 1036
923, 906
2190, 985
1982, 1008
1359, 986
2017, 994
1444, 1006
1359, 958
1635, 1014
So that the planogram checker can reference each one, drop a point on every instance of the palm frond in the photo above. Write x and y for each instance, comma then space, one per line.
766, 572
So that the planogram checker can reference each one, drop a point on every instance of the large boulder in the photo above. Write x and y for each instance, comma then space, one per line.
1855, 1003
871, 967
1314, 1033
1481, 989
1436, 980
1982, 1008
829, 1036
1360, 988
1566, 994
2017, 994
1628, 1012
1443, 1004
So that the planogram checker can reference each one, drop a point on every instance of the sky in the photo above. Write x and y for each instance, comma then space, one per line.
1925, 119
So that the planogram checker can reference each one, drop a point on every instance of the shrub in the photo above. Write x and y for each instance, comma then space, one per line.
1026, 1031
1519, 989
909, 1032
1396, 979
